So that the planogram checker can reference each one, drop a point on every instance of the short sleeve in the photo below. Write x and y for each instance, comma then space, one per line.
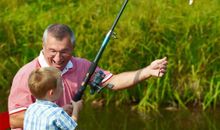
65, 122
108, 74
20, 97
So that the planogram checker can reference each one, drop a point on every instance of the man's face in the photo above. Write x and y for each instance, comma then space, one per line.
57, 52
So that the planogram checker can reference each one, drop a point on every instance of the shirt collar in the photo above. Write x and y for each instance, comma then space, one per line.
43, 63
46, 102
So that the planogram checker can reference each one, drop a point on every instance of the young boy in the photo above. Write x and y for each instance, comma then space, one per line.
46, 85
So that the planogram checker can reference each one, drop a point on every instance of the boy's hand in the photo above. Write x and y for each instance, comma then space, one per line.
77, 106
68, 108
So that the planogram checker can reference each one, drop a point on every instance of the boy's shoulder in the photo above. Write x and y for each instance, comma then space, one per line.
44, 109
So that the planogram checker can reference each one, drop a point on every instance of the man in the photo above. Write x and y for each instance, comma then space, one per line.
58, 44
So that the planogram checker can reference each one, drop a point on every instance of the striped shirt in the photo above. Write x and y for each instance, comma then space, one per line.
46, 115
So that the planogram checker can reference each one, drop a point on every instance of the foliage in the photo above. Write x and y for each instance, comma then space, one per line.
187, 35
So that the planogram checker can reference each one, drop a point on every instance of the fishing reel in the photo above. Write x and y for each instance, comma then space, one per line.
95, 84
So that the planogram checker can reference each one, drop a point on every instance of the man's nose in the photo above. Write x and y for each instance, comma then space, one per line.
58, 57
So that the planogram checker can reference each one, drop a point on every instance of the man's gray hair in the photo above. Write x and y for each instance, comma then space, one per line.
59, 31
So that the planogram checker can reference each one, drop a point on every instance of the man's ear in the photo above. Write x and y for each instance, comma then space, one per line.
73, 46
73, 52
43, 48
43, 44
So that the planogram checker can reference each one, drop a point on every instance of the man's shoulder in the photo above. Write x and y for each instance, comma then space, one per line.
28, 68
80, 64
79, 59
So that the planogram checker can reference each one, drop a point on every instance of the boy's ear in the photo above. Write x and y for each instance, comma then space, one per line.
51, 92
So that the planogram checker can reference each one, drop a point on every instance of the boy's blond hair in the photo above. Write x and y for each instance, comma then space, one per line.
42, 80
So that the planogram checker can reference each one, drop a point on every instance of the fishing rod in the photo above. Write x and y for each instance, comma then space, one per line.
100, 75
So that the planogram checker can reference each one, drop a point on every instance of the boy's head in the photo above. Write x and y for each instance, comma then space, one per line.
45, 83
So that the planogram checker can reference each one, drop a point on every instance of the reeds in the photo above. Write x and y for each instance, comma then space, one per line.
187, 34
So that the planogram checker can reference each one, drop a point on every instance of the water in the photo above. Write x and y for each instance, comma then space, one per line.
122, 118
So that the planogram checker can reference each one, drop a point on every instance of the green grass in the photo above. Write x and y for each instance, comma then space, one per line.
147, 30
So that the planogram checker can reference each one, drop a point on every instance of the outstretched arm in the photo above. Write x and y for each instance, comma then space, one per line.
128, 79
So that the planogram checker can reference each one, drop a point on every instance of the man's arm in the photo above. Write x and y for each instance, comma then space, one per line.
128, 79
16, 120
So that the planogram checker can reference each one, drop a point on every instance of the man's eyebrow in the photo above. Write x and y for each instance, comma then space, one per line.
66, 49
51, 49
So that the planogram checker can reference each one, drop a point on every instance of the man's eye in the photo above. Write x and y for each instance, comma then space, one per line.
63, 52
52, 51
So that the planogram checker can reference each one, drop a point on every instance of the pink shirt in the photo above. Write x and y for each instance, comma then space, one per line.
72, 76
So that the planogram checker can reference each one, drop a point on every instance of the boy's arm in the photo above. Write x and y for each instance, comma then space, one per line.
77, 106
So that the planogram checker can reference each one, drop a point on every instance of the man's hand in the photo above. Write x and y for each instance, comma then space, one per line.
158, 67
